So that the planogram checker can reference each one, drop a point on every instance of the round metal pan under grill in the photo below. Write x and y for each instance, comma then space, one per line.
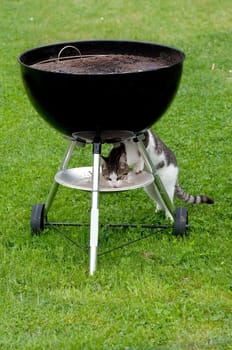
81, 178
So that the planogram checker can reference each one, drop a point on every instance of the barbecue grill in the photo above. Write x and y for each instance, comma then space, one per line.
96, 92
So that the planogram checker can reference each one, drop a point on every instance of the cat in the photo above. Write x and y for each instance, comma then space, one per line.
115, 168
127, 158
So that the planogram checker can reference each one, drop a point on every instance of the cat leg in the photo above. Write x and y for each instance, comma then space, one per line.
168, 176
150, 190
134, 157
154, 195
139, 165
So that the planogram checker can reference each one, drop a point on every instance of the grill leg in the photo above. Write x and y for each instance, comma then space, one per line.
94, 220
55, 185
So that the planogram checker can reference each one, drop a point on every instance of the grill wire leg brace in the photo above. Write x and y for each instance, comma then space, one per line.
94, 220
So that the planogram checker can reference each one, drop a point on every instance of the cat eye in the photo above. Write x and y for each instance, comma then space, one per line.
121, 177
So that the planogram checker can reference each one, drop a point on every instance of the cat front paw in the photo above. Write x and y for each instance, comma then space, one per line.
138, 168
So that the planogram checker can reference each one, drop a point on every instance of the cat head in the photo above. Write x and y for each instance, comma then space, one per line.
114, 169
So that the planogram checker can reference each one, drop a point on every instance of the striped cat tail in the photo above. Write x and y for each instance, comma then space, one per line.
189, 198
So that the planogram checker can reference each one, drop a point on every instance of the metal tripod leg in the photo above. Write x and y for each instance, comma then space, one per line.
158, 186
55, 185
94, 220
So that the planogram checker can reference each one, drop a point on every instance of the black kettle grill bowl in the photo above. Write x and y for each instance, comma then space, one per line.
95, 103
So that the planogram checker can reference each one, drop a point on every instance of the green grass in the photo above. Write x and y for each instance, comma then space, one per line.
162, 292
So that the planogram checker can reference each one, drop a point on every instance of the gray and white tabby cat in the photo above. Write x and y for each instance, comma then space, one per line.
125, 158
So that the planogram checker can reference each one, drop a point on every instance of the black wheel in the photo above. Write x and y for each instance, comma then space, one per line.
38, 218
180, 221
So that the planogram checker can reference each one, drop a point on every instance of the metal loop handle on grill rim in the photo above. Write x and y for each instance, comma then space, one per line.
68, 47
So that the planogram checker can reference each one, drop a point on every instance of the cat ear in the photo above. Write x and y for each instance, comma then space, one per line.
103, 161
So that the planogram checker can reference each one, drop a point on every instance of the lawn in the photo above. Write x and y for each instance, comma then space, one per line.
162, 292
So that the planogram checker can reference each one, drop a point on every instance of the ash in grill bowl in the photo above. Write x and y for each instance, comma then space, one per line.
102, 64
